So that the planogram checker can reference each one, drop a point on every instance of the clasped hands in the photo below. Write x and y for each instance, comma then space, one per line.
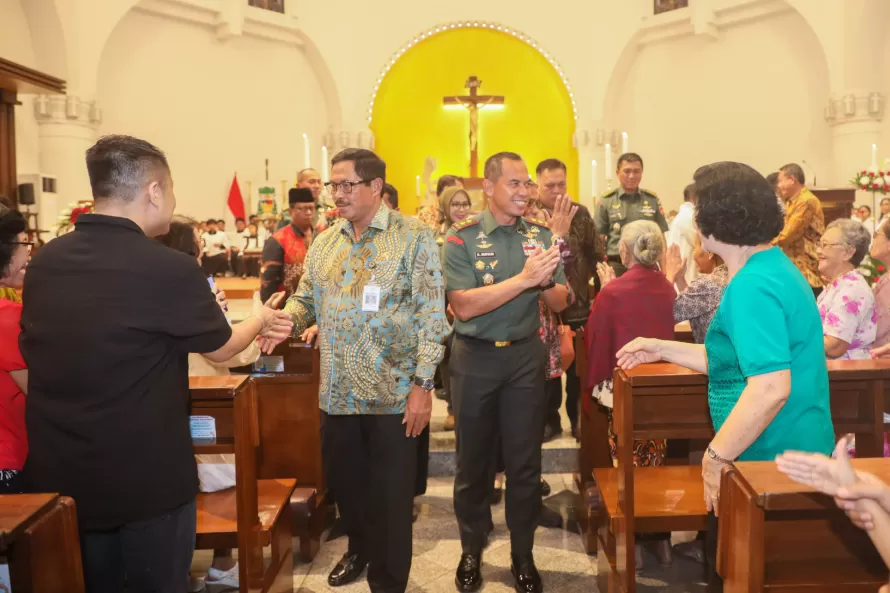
277, 325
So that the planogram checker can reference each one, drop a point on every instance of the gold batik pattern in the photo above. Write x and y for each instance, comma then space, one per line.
804, 225
369, 359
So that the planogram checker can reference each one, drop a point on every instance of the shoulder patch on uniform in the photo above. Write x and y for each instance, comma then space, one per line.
465, 223
649, 191
538, 222
609, 194
454, 239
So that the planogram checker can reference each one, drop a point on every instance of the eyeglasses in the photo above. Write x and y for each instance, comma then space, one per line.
346, 186
28, 244
821, 245
460, 205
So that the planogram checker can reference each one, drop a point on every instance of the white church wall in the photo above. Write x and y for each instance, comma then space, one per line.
16, 46
755, 95
215, 107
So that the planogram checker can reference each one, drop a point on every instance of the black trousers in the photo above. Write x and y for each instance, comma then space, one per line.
446, 374
237, 262
498, 391
553, 391
154, 556
371, 466
215, 264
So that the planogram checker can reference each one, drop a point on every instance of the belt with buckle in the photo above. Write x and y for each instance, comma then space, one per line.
496, 343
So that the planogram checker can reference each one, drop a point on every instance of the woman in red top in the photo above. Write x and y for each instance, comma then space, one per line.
15, 250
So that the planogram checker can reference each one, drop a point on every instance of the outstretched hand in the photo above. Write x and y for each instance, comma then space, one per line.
639, 351
561, 220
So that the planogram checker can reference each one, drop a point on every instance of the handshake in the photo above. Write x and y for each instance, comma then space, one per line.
277, 325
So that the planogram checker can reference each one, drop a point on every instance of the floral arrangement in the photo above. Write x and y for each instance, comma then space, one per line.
872, 269
873, 181
69, 216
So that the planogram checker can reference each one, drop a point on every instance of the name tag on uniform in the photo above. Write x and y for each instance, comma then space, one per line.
371, 298
648, 211
485, 254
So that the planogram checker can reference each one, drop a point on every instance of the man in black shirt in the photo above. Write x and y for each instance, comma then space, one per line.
110, 320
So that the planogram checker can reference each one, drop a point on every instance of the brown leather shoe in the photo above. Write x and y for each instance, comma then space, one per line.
449, 423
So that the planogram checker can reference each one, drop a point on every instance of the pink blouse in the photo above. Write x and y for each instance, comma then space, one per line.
847, 308
882, 310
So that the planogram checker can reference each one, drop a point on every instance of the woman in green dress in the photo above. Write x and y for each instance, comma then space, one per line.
763, 353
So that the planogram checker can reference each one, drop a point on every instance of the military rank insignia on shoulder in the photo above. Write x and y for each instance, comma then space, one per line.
465, 223
609, 194
649, 191
538, 222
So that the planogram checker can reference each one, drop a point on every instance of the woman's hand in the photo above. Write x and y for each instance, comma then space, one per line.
277, 325
711, 470
674, 265
561, 220
605, 272
832, 477
881, 352
276, 300
639, 351
310, 334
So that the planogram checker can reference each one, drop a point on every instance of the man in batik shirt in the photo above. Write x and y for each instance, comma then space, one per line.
804, 224
373, 284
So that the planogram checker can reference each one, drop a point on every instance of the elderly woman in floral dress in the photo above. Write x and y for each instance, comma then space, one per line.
846, 306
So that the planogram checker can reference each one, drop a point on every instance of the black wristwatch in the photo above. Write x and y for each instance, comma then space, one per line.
549, 286
427, 384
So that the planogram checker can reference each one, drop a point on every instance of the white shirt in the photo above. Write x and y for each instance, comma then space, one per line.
238, 239
215, 243
682, 233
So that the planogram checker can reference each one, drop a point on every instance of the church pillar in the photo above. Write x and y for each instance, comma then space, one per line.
855, 118
68, 127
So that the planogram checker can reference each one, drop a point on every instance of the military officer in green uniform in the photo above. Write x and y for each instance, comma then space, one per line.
497, 266
624, 205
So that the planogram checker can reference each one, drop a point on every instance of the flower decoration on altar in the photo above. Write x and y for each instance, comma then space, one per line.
874, 181
69, 216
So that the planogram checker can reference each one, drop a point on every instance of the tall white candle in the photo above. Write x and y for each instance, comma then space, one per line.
874, 157
306, 160
593, 179
417, 186
623, 142
608, 162
325, 166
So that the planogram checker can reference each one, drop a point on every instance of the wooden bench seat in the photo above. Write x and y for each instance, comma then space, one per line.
217, 514
665, 498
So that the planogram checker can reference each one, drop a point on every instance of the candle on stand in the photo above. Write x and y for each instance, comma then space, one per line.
324, 164
874, 157
887, 164
593, 179
417, 186
306, 161
623, 142
608, 162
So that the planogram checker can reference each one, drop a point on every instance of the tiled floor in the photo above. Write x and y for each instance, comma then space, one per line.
559, 554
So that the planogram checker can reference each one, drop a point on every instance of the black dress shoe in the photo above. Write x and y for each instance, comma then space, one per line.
347, 570
469, 574
526, 575
545, 488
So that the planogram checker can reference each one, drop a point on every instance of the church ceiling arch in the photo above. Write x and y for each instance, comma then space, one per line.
458, 25
47, 37
462, 93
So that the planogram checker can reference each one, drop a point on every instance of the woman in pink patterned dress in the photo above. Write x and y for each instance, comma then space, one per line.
846, 305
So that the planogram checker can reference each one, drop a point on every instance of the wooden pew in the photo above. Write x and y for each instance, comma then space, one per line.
256, 513
658, 401
666, 401
775, 534
39, 537
292, 442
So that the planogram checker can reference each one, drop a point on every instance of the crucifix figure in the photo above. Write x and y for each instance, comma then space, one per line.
473, 102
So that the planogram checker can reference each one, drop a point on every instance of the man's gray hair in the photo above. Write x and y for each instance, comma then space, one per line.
854, 235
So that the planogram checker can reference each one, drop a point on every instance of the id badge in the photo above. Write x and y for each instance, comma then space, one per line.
371, 298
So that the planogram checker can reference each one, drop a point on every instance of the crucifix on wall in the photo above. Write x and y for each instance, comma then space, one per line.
473, 103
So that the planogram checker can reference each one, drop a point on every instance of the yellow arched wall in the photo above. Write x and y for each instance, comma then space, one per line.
410, 123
